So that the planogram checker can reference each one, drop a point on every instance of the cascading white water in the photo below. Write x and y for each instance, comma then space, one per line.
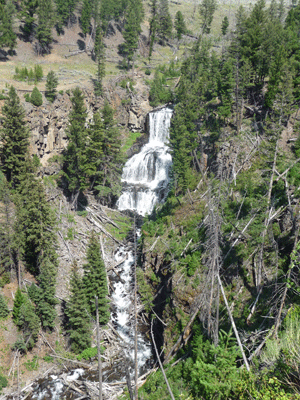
145, 178
146, 175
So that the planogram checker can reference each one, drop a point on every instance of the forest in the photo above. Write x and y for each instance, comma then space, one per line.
218, 261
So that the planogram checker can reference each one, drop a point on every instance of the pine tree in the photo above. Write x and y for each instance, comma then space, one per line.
207, 10
105, 138
4, 311
179, 25
95, 280
153, 25
78, 325
64, 10
45, 307
18, 301
74, 157
132, 30
164, 29
225, 24
36, 97
35, 222
51, 85
14, 137
29, 8
8, 38
7, 251
29, 323
45, 14
86, 16
100, 57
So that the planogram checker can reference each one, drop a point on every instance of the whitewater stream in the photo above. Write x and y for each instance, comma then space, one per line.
145, 183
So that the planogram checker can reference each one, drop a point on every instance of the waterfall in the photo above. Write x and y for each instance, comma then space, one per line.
145, 180
146, 175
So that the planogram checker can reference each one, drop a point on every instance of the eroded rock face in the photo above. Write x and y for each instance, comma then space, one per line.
48, 122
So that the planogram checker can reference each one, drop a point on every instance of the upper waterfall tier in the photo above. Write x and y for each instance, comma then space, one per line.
146, 175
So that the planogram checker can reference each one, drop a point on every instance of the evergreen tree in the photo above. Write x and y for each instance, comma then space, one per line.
74, 157
46, 19
36, 97
104, 156
95, 280
64, 10
18, 301
7, 251
4, 311
51, 85
207, 10
29, 8
225, 24
226, 89
29, 323
179, 25
132, 30
164, 29
8, 38
78, 325
35, 222
45, 307
100, 57
14, 137
85, 19
153, 25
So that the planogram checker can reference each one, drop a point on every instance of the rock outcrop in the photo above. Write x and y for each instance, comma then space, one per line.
48, 122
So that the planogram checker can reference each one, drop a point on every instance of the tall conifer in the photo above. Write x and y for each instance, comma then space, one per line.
95, 280
75, 155
77, 311
14, 137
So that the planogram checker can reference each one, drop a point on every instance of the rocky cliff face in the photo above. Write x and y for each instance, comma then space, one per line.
48, 122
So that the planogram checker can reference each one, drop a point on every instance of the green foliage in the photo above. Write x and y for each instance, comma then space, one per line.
18, 301
29, 324
179, 25
14, 138
30, 75
48, 358
95, 280
4, 311
132, 29
74, 157
32, 365
8, 37
225, 25
207, 9
78, 324
212, 370
104, 159
159, 93
3, 382
36, 97
51, 85
89, 353
45, 22
164, 22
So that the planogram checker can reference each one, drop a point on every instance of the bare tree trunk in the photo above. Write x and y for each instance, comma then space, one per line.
99, 351
160, 364
233, 325
135, 316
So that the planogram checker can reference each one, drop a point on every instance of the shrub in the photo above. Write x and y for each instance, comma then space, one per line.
36, 97
3, 382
